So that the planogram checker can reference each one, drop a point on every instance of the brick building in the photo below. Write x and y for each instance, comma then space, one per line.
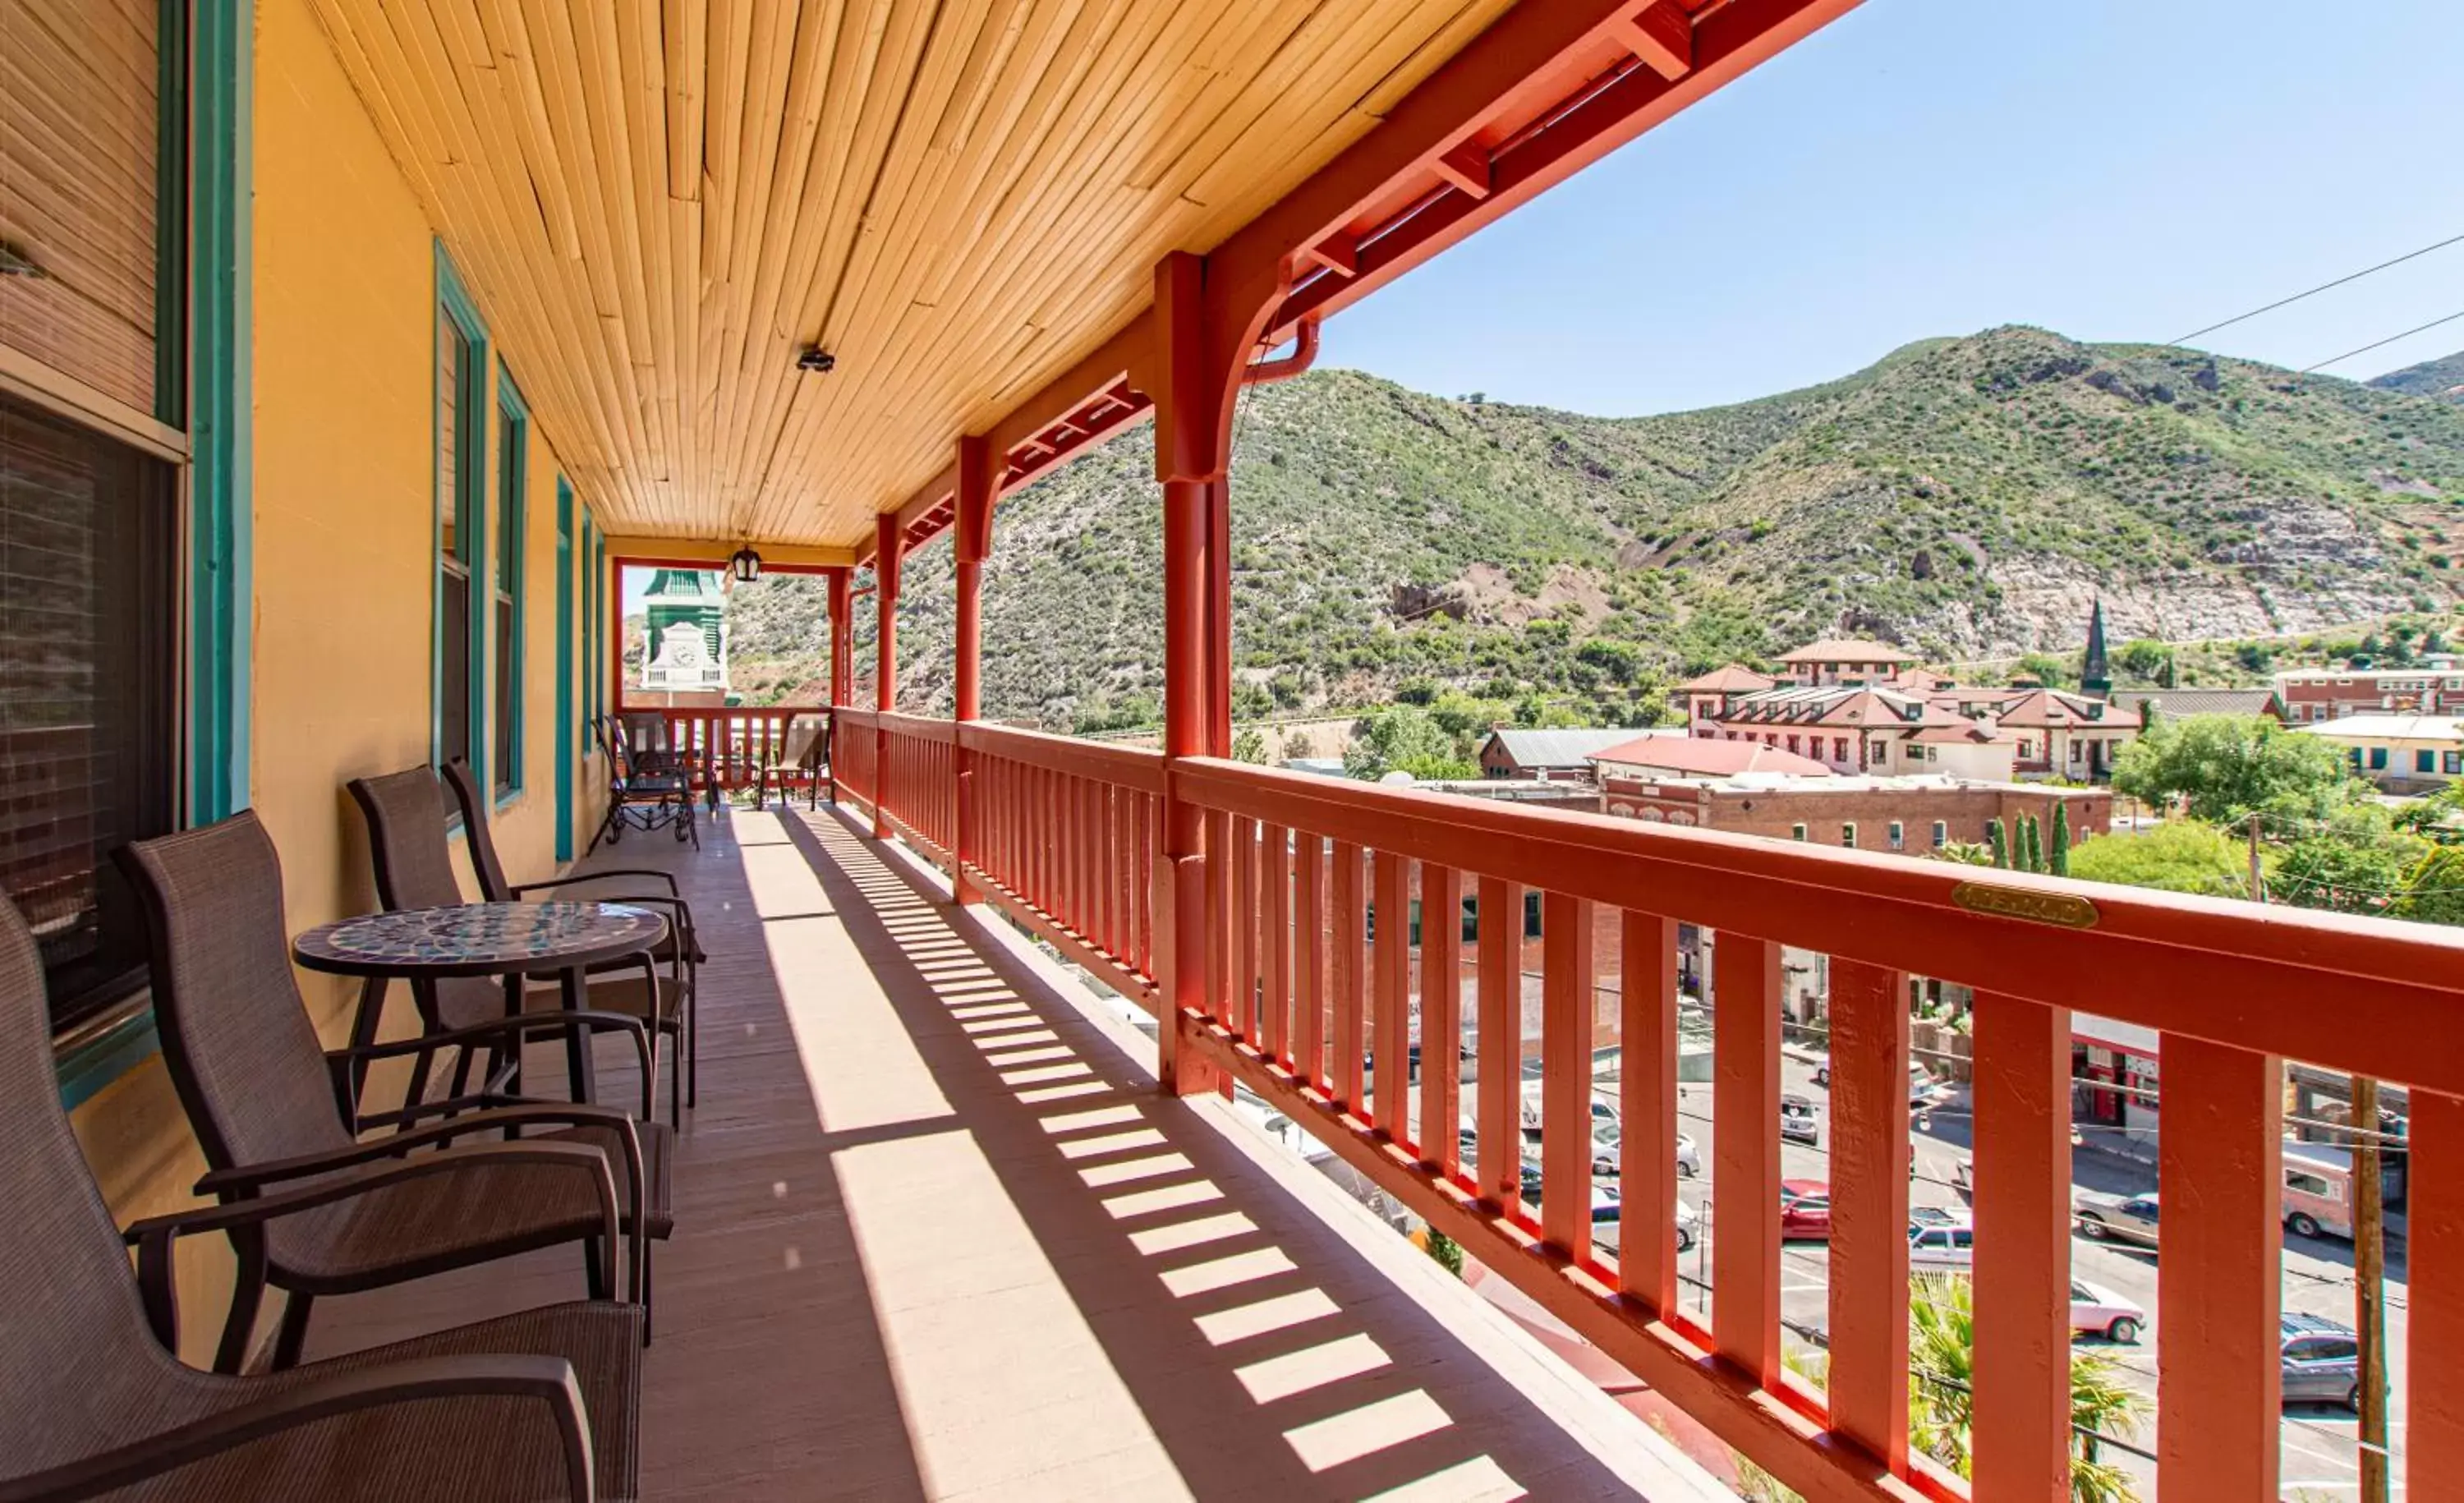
2314, 695
1912, 814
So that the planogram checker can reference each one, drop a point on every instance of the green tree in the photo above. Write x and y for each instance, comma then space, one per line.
1250, 745
2031, 846
1998, 843
1963, 853
2433, 892
2045, 669
2058, 859
2180, 856
1942, 1388
2225, 766
1405, 739
2141, 658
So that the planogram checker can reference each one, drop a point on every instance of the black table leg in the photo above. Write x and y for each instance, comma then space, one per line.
364, 1032
578, 1063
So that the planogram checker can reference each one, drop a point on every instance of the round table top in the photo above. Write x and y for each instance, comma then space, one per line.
481, 940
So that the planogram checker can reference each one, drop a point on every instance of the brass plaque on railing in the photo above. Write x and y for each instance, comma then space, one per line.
2018, 902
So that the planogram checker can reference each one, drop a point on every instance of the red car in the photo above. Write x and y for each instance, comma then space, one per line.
1805, 1210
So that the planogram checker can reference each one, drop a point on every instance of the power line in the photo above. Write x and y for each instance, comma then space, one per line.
2390, 339
2322, 287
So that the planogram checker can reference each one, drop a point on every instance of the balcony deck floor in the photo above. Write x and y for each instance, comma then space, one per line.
938, 1237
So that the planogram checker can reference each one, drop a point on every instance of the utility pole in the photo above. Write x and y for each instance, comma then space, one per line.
2369, 1286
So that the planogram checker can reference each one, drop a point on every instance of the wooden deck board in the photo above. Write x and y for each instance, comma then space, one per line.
938, 1237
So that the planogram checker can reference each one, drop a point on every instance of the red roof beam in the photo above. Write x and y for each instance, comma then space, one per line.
1724, 44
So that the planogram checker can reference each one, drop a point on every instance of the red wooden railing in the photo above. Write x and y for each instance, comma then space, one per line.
733, 743
1308, 1008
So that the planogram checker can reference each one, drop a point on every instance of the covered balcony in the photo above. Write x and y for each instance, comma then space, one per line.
464, 306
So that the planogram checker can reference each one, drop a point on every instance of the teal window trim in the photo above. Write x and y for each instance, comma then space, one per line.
510, 566
471, 512
221, 541
204, 271
600, 668
589, 636
567, 752
171, 213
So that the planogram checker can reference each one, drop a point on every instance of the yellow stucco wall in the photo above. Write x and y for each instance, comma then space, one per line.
345, 313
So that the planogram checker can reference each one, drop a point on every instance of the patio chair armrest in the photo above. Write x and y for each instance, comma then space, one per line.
550, 1381
154, 1236
344, 1061
579, 878
247, 1178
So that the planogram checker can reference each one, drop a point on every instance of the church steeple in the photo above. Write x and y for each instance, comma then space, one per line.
2095, 676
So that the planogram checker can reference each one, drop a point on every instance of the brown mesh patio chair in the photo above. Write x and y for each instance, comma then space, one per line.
261, 1092
414, 854
616, 986
799, 758
650, 784
539, 1405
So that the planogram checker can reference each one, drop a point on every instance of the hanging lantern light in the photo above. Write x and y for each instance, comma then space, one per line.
745, 565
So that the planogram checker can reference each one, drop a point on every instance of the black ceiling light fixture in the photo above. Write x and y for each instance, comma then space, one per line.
816, 358
745, 565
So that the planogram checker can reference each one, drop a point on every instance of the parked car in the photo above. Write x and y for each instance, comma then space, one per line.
1950, 1246
1608, 1151
2321, 1361
2115, 1218
1604, 1106
1936, 1216
1688, 1221
1796, 1123
1804, 1210
2099, 1311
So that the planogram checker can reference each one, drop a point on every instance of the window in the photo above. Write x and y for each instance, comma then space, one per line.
1531, 916
89, 582
2425, 761
1839, 748
1940, 833
513, 475
2451, 764
460, 650
2075, 750
1796, 832
2378, 759
2308, 1184
1898, 836
2027, 749
1848, 834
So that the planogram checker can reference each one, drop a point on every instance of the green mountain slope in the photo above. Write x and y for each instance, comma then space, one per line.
1968, 497
2443, 379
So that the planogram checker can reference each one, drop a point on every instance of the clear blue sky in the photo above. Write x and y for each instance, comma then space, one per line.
2112, 170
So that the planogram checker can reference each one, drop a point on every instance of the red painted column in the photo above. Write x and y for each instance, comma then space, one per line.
842, 657
973, 542
1191, 439
2020, 1445
889, 552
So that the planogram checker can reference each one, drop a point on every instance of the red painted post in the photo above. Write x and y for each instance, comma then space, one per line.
2022, 1282
972, 544
1391, 1003
1868, 1379
1275, 953
1566, 1012
1191, 451
2219, 1379
1647, 1110
1499, 1155
1746, 981
888, 553
1440, 1138
1309, 961
1344, 1070
2435, 1267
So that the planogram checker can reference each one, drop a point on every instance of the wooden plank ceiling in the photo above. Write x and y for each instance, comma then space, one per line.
660, 205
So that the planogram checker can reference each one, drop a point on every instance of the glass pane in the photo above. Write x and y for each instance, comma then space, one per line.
451, 353
453, 686
509, 500
88, 545
504, 743
79, 139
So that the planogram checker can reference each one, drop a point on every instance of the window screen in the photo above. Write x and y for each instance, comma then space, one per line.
88, 553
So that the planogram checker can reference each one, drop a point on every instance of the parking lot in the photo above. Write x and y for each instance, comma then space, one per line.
2319, 1439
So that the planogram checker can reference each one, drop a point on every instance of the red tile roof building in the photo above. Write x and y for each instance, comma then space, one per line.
1906, 720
